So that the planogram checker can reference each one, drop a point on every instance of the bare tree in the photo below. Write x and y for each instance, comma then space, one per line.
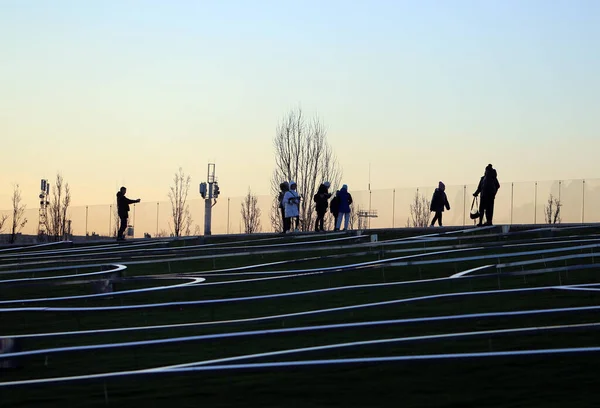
3, 220
302, 154
552, 210
180, 210
56, 222
18, 214
419, 211
250, 213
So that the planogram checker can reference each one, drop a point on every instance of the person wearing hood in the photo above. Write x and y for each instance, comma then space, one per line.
344, 202
123, 211
321, 203
488, 187
439, 201
291, 203
283, 187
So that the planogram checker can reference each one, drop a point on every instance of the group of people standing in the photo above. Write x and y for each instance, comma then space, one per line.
289, 204
488, 188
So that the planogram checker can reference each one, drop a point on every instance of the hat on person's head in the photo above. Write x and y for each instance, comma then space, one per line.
441, 186
345, 187
292, 183
327, 184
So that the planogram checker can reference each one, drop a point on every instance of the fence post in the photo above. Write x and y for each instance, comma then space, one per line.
464, 204
583, 202
535, 205
109, 218
133, 222
512, 201
394, 208
157, 205
228, 199
86, 220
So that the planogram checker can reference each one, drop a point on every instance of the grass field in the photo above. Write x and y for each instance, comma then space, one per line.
436, 318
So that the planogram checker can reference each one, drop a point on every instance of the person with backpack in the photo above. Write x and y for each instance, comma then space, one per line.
488, 187
283, 188
345, 200
438, 202
291, 202
321, 203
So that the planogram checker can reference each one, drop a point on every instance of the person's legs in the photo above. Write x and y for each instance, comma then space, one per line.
283, 219
482, 205
287, 224
297, 218
489, 212
439, 215
346, 221
338, 221
435, 218
122, 228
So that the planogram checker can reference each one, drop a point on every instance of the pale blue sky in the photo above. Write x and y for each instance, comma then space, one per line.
125, 92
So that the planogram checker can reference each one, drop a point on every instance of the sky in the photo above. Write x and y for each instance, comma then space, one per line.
112, 93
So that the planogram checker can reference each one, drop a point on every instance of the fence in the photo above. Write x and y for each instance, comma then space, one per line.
516, 203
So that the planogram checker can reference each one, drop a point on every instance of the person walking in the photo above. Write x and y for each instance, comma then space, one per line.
321, 203
439, 201
123, 211
488, 188
345, 200
291, 202
283, 187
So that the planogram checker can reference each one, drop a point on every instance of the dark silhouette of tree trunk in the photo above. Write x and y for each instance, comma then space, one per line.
3, 220
18, 214
56, 223
251, 213
180, 211
419, 211
302, 154
552, 210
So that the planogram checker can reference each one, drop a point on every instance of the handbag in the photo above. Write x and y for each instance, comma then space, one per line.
475, 215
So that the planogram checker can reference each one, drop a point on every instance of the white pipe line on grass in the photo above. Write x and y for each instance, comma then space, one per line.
534, 329
274, 296
483, 315
308, 363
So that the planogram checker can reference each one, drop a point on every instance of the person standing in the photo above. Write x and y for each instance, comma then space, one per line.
439, 201
283, 187
488, 187
291, 202
345, 200
321, 203
123, 211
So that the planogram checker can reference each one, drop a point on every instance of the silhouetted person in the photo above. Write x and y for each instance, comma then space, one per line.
283, 187
334, 207
438, 202
321, 203
123, 210
488, 187
345, 200
291, 201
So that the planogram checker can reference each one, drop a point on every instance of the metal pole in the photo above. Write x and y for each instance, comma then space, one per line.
559, 185
228, 199
512, 196
464, 204
157, 205
86, 220
394, 208
109, 219
535, 205
583, 202
369, 217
